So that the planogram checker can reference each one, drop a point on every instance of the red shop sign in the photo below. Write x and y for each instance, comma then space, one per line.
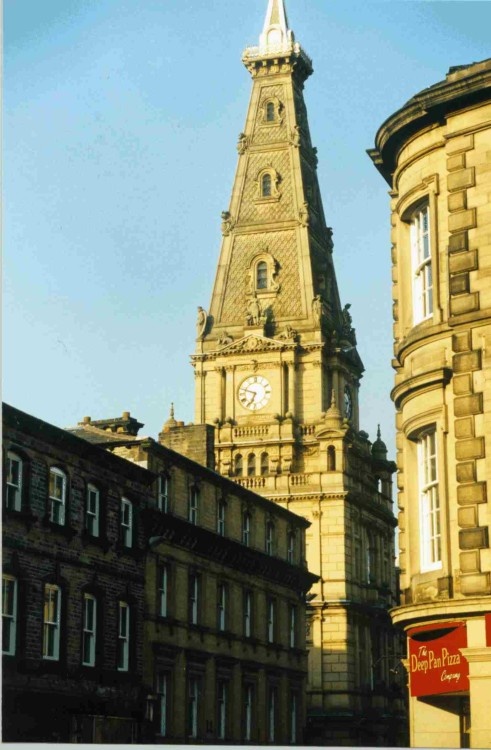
488, 629
435, 662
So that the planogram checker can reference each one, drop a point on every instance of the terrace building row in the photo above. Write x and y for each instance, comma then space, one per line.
145, 597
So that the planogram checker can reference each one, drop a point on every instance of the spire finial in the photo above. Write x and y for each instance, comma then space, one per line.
379, 434
276, 34
171, 415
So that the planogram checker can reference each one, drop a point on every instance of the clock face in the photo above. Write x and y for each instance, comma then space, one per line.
348, 403
254, 392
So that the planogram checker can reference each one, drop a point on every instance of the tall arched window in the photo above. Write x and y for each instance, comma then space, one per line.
270, 113
238, 465
264, 463
262, 275
331, 458
251, 465
266, 185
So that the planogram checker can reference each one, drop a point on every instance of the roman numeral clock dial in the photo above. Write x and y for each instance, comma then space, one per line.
254, 392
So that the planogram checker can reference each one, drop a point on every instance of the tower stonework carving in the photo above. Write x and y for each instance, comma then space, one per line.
283, 397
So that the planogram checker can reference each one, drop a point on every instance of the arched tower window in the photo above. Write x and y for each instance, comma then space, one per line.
264, 463
331, 458
262, 274
251, 465
270, 113
238, 465
266, 185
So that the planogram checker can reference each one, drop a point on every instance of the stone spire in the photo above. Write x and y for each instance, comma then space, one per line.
276, 35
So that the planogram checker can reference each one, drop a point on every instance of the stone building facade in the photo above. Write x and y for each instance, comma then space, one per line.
73, 587
277, 374
145, 597
435, 154
226, 582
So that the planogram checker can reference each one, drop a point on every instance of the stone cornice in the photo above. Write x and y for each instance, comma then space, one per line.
427, 381
447, 609
461, 89
167, 528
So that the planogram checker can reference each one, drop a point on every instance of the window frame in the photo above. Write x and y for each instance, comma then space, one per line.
430, 510
55, 502
91, 633
291, 547
222, 602
193, 696
238, 465
194, 584
270, 620
11, 617
422, 282
52, 626
221, 517
126, 523
163, 581
247, 613
162, 680
292, 626
264, 464
248, 711
246, 528
222, 708
272, 713
163, 496
193, 504
123, 651
251, 464
269, 539
18, 488
92, 489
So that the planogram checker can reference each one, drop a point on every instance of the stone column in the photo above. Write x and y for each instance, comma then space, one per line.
291, 388
229, 392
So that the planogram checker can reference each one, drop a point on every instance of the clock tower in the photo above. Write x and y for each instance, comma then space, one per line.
277, 373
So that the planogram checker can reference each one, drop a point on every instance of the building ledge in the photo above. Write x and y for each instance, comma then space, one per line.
412, 614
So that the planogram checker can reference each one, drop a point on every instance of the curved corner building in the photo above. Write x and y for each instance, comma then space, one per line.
435, 153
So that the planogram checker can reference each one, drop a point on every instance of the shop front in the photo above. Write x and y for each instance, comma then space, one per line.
449, 666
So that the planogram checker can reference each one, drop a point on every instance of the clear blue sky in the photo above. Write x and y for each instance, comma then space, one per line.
120, 127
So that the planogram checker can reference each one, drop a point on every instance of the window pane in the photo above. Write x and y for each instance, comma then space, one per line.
14, 482
51, 620
9, 614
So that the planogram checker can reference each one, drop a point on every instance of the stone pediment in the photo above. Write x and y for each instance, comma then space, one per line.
255, 343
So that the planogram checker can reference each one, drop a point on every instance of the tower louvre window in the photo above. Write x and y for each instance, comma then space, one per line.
270, 112
266, 185
262, 273
251, 465
331, 458
264, 463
